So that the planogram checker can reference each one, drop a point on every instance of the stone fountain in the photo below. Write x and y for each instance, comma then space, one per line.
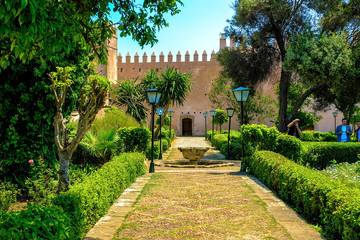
193, 154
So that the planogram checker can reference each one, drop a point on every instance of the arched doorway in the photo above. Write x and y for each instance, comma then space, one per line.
187, 127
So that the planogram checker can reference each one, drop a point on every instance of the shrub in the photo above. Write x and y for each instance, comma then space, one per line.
260, 136
86, 202
156, 150
135, 139
328, 137
328, 152
7, 195
218, 139
308, 136
35, 223
328, 202
289, 146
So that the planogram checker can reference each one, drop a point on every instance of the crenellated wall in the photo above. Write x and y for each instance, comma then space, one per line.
203, 73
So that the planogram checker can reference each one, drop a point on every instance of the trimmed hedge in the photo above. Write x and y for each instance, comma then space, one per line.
74, 212
326, 201
328, 152
135, 138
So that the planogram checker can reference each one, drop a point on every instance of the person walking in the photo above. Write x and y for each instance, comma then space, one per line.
343, 131
357, 132
294, 128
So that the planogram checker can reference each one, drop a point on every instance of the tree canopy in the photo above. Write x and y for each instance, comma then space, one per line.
44, 28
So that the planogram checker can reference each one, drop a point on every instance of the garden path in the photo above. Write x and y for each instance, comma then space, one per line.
216, 203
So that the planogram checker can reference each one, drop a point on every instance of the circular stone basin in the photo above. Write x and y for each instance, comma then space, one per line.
193, 154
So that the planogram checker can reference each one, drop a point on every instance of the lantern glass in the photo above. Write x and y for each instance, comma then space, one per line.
153, 96
230, 112
335, 114
171, 113
160, 111
213, 113
205, 114
241, 94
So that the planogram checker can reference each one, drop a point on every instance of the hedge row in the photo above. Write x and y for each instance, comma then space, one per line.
317, 155
326, 201
74, 212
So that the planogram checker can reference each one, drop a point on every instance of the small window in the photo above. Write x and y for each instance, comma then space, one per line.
121, 70
157, 69
139, 69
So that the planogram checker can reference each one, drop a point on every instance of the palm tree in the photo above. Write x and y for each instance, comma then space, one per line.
174, 87
132, 96
102, 144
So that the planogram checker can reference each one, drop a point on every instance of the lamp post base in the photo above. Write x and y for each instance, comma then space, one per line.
152, 167
160, 156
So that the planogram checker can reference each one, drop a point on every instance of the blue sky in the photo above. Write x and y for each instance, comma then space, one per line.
196, 27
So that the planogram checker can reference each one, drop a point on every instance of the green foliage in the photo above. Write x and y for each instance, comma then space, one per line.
37, 222
256, 106
289, 146
166, 122
260, 136
329, 152
318, 197
131, 95
308, 136
86, 202
28, 34
103, 144
135, 138
7, 195
220, 118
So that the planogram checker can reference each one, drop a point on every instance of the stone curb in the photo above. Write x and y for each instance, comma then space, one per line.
108, 225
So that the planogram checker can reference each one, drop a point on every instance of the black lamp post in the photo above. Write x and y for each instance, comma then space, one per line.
212, 113
230, 113
171, 114
354, 121
241, 94
153, 97
335, 115
205, 116
160, 112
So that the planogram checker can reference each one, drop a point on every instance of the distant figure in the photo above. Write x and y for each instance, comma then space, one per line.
294, 128
343, 131
357, 133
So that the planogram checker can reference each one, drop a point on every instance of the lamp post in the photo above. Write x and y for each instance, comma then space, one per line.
212, 113
205, 116
241, 94
153, 97
230, 113
335, 115
160, 112
171, 114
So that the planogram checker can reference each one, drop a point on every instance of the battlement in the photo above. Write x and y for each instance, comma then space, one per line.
170, 59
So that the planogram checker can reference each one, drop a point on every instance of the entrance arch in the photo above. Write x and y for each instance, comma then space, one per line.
187, 126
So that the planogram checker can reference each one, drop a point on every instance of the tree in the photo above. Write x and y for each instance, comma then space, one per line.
257, 106
42, 29
91, 100
220, 118
326, 60
131, 95
270, 25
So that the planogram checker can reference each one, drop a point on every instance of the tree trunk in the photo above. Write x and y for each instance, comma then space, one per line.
64, 178
284, 88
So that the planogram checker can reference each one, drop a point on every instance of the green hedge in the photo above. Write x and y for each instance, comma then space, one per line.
135, 138
316, 136
74, 212
7, 195
321, 154
328, 202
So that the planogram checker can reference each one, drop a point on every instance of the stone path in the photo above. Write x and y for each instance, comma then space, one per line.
217, 203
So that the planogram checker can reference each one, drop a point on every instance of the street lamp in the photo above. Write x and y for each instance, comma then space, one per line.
171, 114
212, 113
205, 116
335, 115
153, 97
241, 95
354, 117
160, 112
230, 113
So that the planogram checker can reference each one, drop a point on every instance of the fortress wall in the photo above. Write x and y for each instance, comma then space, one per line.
203, 73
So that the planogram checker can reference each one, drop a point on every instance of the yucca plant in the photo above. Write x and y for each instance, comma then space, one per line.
102, 144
